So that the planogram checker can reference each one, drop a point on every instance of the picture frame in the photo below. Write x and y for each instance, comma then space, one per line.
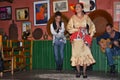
26, 27
119, 26
41, 12
89, 5
117, 11
61, 6
6, 13
22, 14
117, 14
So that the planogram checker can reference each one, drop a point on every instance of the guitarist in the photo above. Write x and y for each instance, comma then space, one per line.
114, 36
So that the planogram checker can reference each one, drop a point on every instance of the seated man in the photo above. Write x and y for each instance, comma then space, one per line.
114, 37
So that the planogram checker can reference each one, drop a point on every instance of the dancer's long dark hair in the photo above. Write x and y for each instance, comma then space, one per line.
54, 22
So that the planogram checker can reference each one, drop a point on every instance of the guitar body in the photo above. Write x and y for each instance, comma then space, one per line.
104, 43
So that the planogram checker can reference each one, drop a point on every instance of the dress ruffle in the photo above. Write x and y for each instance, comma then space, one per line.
82, 60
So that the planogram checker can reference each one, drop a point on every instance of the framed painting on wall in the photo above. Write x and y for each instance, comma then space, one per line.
22, 14
41, 12
61, 6
89, 5
6, 13
117, 13
26, 28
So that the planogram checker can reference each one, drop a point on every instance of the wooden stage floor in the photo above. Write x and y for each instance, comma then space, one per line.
55, 75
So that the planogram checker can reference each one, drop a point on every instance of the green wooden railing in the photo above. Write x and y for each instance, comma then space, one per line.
43, 57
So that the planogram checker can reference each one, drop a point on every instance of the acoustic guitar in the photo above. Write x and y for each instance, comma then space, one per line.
104, 43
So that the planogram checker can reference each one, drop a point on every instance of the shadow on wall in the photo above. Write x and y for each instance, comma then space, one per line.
100, 18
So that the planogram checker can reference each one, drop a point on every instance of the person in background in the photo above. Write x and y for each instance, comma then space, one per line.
114, 37
82, 30
57, 29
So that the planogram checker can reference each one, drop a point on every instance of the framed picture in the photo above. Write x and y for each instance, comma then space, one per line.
6, 13
61, 6
26, 28
89, 5
22, 14
117, 11
119, 26
41, 12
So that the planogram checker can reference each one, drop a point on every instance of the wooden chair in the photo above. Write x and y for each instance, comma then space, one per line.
22, 53
27, 44
8, 57
18, 54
